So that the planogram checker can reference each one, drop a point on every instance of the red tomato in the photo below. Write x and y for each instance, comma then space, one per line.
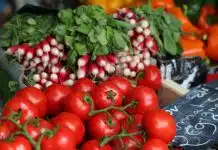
136, 123
107, 94
119, 115
37, 126
84, 84
129, 143
78, 102
146, 99
160, 124
55, 97
72, 122
4, 131
122, 83
155, 144
94, 145
152, 77
25, 107
102, 125
63, 139
18, 143
36, 96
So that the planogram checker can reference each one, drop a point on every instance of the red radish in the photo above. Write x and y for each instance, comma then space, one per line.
101, 73
144, 23
146, 55
135, 43
139, 29
83, 60
125, 10
140, 38
68, 82
123, 59
26, 63
40, 68
30, 53
43, 81
124, 65
45, 46
133, 64
48, 83
60, 46
38, 86
147, 62
112, 58
52, 41
54, 60
126, 49
101, 61
93, 69
55, 51
12, 50
130, 15
136, 59
64, 57
45, 59
44, 75
147, 32
36, 77
141, 46
72, 76
133, 74
132, 21
154, 48
128, 59
39, 51
126, 72
63, 74
55, 69
140, 56
140, 66
116, 15
22, 50
61, 54
54, 78
149, 42
81, 73
112, 69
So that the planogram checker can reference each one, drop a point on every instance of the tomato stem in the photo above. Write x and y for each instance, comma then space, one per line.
94, 112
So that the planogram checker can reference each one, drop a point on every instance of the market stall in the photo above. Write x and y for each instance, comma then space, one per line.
128, 75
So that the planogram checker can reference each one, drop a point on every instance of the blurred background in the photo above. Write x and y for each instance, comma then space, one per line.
9, 7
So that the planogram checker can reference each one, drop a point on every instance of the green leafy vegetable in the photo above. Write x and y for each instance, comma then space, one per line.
87, 29
164, 27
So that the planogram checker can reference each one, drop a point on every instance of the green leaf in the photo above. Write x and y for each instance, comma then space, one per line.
119, 40
72, 58
84, 28
60, 31
66, 16
80, 48
169, 44
31, 21
92, 36
69, 41
102, 37
99, 50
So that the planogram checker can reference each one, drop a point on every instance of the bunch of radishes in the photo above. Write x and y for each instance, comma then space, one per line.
45, 59
141, 37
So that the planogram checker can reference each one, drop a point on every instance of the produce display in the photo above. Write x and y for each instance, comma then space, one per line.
92, 74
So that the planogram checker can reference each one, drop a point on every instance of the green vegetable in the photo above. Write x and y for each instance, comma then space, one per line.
87, 29
164, 27
26, 28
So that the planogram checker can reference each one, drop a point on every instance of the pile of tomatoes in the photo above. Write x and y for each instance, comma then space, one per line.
111, 115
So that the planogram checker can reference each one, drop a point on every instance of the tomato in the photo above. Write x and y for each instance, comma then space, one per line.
155, 144
146, 99
102, 125
122, 83
62, 139
136, 123
36, 96
129, 143
72, 122
152, 77
84, 84
37, 126
26, 108
107, 94
119, 115
18, 143
94, 145
160, 124
78, 102
55, 95
4, 131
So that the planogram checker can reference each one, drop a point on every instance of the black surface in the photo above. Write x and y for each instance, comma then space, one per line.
197, 117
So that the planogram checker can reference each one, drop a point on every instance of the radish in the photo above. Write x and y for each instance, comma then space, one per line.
54, 60
93, 69
130, 14
101, 61
149, 42
126, 49
140, 38
146, 55
52, 41
139, 29
112, 69
101, 73
147, 62
26, 63
140, 66
154, 48
12, 50
60, 46
43, 81
55, 69
132, 21
55, 51
112, 58
133, 74
136, 59
123, 59
144, 23
61, 54
39, 68
45, 59
30, 53
81, 73
141, 46
54, 78
147, 32
44, 75
48, 83
39, 51
45, 46
128, 59
133, 64
135, 43
22, 50
68, 82
38, 86
131, 33
116, 15
124, 10
63, 74
72, 76
37, 60
83, 60
126, 72
36, 78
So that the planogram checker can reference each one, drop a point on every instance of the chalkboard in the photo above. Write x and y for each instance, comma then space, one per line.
197, 117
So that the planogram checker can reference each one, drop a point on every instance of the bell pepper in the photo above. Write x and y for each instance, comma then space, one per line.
166, 4
212, 44
206, 10
192, 47
187, 26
